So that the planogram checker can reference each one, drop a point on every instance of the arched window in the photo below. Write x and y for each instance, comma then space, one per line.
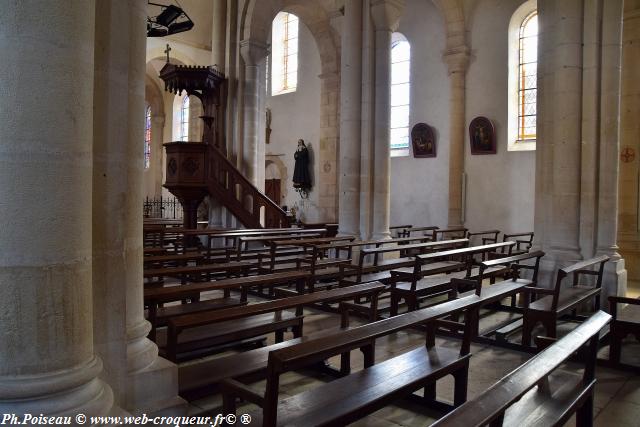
184, 119
523, 77
527, 78
284, 45
147, 138
400, 93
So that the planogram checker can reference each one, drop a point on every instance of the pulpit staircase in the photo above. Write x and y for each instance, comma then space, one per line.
195, 170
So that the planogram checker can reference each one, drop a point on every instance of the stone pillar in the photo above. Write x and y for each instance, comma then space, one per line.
350, 118
578, 135
218, 44
253, 53
142, 382
327, 180
386, 15
615, 281
628, 215
47, 359
457, 60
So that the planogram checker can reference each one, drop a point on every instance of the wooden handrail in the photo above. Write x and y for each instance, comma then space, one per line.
223, 176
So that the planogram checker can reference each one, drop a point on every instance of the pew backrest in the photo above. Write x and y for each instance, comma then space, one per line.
489, 407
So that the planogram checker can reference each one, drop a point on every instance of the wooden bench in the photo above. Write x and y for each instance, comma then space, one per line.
197, 271
154, 298
379, 270
208, 329
172, 259
486, 236
513, 266
536, 393
524, 241
252, 364
419, 282
347, 399
560, 300
426, 231
625, 321
399, 230
450, 233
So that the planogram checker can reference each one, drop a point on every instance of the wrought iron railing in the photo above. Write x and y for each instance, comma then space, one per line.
162, 207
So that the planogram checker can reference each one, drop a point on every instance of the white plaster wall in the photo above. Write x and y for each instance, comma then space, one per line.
296, 115
419, 187
500, 188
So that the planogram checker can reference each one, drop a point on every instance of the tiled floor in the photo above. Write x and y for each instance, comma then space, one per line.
617, 399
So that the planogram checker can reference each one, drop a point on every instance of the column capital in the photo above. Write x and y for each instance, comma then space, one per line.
253, 51
386, 14
457, 59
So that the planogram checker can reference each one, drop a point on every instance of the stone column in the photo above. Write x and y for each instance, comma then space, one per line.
386, 15
558, 157
629, 231
350, 118
47, 359
615, 281
578, 136
218, 44
253, 53
457, 60
327, 179
142, 382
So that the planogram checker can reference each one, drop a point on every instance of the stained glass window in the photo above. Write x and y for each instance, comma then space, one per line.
147, 138
184, 119
284, 44
527, 77
400, 91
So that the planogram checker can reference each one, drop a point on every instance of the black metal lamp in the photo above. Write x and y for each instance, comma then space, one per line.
171, 20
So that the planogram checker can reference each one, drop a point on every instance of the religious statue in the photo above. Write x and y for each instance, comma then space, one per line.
301, 177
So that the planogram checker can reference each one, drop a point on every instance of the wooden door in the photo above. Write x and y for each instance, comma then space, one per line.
272, 191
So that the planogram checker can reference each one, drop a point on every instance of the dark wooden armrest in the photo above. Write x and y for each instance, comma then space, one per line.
536, 290
237, 389
624, 300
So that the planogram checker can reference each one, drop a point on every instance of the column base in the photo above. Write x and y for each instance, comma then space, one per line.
614, 281
62, 393
154, 390
152, 382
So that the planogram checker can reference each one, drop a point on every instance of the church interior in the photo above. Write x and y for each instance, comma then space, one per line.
321, 212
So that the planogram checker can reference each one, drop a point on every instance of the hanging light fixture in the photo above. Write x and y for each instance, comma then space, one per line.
171, 20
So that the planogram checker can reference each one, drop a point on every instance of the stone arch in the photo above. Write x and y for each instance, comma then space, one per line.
257, 18
453, 13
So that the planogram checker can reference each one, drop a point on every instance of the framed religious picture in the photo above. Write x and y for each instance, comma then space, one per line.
482, 136
423, 140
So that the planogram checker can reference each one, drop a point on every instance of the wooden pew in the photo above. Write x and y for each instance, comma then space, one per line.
207, 329
400, 230
345, 400
173, 259
252, 364
379, 270
523, 241
418, 282
486, 236
536, 393
450, 233
562, 300
426, 231
625, 322
228, 268
154, 298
